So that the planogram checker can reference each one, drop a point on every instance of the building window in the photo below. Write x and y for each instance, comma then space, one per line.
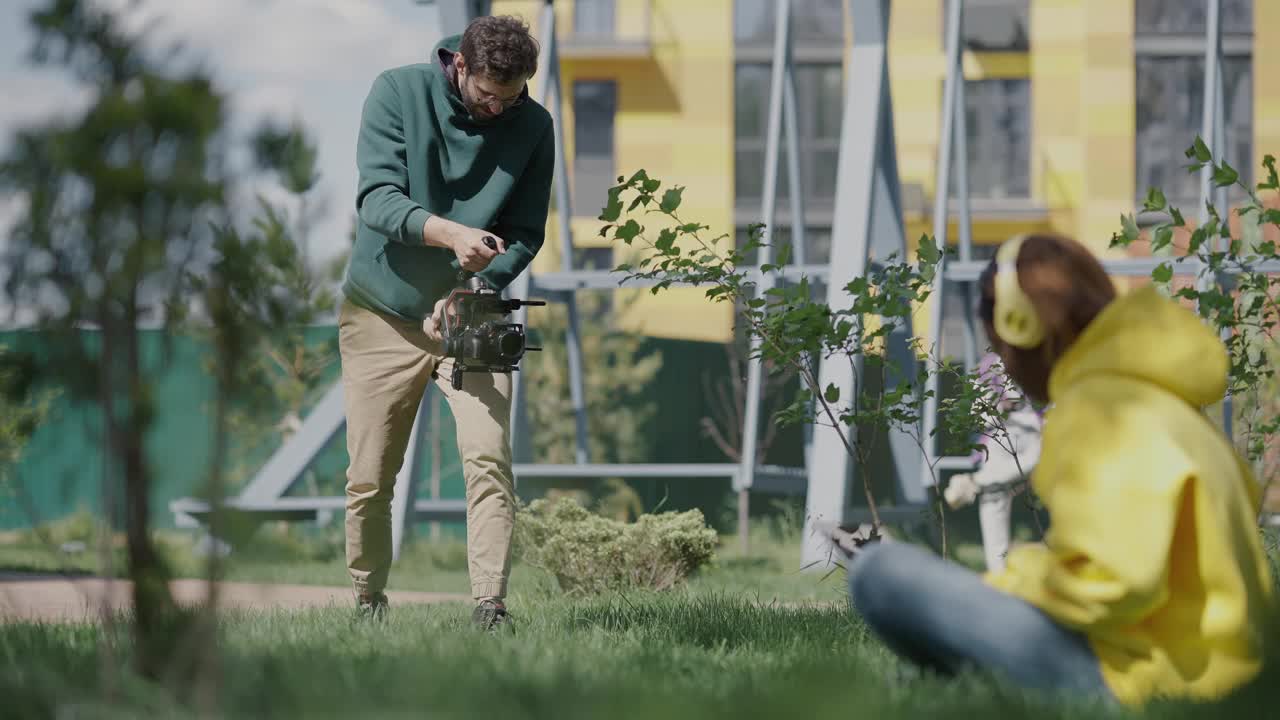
992, 25
594, 18
1169, 79
812, 22
998, 121
593, 258
1182, 17
817, 241
818, 34
595, 103
819, 101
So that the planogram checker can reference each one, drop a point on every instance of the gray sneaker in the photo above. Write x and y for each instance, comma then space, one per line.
491, 616
373, 606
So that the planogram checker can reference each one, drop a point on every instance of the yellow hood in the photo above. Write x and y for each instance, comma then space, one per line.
1146, 336
1153, 550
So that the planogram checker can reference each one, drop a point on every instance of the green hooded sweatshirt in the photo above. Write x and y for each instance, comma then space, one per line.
420, 153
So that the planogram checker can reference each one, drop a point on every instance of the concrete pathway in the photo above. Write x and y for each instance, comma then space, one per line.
73, 598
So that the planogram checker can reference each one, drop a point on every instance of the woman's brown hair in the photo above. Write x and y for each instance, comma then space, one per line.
1067, 287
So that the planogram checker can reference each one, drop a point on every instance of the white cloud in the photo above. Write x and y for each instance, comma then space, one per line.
313, 60
307, 59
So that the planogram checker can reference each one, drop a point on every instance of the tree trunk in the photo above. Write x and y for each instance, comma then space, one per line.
152, 602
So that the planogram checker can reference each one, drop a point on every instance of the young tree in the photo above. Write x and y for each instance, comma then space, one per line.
117, 202
795, 331
283, 364
124, 222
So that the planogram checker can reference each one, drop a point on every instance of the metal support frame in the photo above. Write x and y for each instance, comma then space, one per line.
265, 496
552, 98
1213, 132
828, 486
781, 82
868, 222
952, 142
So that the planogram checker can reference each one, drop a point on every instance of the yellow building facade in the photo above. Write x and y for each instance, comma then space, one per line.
1073, 75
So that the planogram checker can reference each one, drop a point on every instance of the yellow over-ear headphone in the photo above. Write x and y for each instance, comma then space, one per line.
1016, 321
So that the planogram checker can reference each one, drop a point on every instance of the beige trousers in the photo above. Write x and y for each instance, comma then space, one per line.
386, 365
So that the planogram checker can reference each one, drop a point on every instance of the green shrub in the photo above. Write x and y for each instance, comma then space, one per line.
589, 554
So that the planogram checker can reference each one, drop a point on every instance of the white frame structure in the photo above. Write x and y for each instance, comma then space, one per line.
867, 225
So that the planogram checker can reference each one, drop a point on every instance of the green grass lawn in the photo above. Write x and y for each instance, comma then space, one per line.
680, 655
730, 643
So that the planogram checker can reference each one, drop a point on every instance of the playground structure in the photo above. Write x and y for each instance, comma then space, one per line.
867, 225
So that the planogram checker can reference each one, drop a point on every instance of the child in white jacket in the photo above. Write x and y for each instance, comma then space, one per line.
1010, 454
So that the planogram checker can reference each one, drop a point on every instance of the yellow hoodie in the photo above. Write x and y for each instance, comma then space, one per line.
1153, 550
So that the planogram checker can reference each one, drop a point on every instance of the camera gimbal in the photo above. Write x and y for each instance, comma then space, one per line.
473, 335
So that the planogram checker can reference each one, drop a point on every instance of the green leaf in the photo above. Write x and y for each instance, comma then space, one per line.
666, 240
831, 394
627, 233
1199, 151
640, 176
1177, 217
1155, 199
1163, 238
1131, 232
1273, 178
1197, 240
1271, 216
671, 199
651, 186
928, 252
613, 209
1224, 175
1163, 273
784, 255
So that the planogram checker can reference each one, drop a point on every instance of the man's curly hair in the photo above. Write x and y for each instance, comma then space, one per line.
500, 48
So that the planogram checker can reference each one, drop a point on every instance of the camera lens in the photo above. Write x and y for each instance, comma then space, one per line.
511, 343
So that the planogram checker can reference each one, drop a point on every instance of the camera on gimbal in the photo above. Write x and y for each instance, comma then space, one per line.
475, 335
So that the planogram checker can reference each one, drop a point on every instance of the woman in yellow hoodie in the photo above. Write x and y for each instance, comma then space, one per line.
1151, 580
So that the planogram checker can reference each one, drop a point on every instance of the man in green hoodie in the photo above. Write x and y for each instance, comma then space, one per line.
450, 152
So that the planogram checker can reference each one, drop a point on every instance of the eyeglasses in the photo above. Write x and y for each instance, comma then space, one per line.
490, 100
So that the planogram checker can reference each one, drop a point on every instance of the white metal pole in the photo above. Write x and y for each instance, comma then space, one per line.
755, 370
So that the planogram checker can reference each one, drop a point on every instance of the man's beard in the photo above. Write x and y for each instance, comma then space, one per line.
477, 110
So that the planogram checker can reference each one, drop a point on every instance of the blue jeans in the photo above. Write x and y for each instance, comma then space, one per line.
944, 617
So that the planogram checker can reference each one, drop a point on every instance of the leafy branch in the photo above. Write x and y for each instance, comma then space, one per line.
1236, 288
794, 332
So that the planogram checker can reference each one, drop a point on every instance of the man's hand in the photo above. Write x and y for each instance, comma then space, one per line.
474, 248
433, 327
477, 248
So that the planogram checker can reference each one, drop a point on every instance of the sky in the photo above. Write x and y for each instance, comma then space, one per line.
310, 60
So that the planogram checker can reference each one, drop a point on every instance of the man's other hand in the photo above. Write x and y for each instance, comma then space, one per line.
433, 327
